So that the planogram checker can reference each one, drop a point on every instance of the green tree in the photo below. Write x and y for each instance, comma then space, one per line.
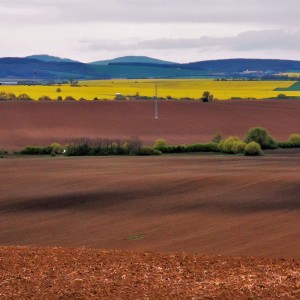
24, 97
3, 96
261, 136
207, 96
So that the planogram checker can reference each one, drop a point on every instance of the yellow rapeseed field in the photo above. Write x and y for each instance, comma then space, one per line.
176, 88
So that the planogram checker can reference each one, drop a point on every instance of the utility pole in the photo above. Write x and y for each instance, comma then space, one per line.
155, 102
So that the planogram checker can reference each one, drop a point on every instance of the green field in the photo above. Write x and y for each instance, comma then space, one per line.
292, 88
175, 88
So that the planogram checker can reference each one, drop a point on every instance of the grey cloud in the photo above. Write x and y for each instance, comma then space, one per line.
162, 11
246, 41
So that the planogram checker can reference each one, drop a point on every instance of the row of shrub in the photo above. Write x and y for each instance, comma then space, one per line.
210, 147
83, 147
256, 140
232, 145
24, 97
88, 147
11, 96
53, 149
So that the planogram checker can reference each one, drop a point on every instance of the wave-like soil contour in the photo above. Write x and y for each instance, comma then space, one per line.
209, 204
22, 124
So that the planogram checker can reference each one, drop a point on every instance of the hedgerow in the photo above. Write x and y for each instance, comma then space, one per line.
104, 147
210, 147
232, 145
36, 150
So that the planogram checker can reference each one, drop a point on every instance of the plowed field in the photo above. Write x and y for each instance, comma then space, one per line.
29, 273
121, 208
229, 205
23, 124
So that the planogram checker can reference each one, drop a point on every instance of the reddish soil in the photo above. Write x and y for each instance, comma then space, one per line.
22, 124
228, 205
198, 204
29, 273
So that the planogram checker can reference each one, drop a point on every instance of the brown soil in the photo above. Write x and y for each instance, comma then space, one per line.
229, 205
198, 204
29, 273
22, 124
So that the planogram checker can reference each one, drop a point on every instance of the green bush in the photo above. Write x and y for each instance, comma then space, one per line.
12, 96
282, 96
211, 147
173, 149
44, 98
57, 148
295, 138
104, 147
232, 145
160, 143
24, 97
238, 147
113, 149
261, 136
36, 150
253, 149
288, 145
53, 149
70, 98
145, 151
78, 150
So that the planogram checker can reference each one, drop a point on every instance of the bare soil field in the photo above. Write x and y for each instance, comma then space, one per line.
30, 273
23, 124
206, 204
188, 209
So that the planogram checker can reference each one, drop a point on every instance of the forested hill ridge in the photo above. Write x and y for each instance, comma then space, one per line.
45, 67
133, 59
49, 58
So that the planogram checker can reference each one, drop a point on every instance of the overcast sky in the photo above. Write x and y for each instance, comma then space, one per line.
175, 30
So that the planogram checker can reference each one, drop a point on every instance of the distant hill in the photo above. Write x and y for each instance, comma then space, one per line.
27, 68
49, 58
50, 68
132, 59
243, 64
